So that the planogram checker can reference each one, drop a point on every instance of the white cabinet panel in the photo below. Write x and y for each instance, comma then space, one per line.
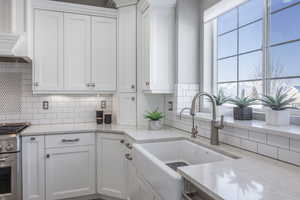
127, 108
127, 49
70, 172
33, 168
77, 51
48, 50
111, 165
104, 53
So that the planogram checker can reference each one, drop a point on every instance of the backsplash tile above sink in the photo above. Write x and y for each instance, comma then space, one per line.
62, 109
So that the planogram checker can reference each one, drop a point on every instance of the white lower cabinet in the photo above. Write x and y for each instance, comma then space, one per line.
33, 168
111, 165
70, 172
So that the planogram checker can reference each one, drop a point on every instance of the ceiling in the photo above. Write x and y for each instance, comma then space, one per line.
98, 3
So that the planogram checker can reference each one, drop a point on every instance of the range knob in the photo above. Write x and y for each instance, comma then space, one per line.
9, 147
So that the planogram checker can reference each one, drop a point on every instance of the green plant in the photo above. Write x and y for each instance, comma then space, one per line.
154, 115
244, 101
221, 98
282, 100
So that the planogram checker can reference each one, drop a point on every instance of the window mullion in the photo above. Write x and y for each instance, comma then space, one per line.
266, 57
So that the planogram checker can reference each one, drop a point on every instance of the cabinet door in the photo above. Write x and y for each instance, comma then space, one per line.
77, 51
132, 182
145, 48
70, 172
127, 108
104, 54
48, 50
111, 165
145, 192
127, 49
33, 167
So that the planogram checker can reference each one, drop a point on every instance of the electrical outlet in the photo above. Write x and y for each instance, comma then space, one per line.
45, 105
170, 105
103, 104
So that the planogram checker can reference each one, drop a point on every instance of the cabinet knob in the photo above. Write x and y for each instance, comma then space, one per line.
122, 141
32, 139
128, 156
128, 145
132, 86
48, 156
147, 83
132, 98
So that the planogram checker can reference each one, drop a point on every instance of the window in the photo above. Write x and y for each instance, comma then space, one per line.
256, 48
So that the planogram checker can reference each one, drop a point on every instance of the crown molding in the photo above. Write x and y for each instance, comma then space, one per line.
124, 3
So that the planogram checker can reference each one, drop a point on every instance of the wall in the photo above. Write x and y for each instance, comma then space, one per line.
63, 109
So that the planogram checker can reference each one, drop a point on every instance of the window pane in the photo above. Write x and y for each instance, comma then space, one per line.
227, 69
227, 22
294, 84
285, 25
227, 45
251, 88
230, 89
250, 37
285, 60
251, 11
250, 66
278, 4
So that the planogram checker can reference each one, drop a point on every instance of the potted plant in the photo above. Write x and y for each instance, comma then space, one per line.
221, 99
243, 111
278, 113
154, 118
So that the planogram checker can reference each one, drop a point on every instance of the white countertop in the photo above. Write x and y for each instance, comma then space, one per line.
252, 177
139, 134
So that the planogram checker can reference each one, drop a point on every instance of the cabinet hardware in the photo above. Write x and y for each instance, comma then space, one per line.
36, 84
93, 84
88, 85
128, 156
132, 86
48, 156
128, 145
132, 98
122, 141
32, 139
70, 140
147, 83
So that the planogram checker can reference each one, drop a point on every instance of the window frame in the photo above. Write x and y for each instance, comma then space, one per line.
266, 46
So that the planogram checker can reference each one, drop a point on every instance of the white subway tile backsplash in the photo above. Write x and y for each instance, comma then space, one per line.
295, 145
258, 137
282, 142
288, 156
249, 145
62, 109
228, 139
267, 150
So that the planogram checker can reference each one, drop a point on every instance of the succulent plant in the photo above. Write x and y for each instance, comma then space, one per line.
154, 115
221, 98
244, 101
282, 100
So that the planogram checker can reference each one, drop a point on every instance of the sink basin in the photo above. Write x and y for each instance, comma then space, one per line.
157, 163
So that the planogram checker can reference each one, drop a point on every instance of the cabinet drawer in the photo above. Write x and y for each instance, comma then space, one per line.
68, 140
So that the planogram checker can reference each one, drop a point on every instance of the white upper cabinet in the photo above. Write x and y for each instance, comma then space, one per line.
74, 53
156, 45
77, 51
48, 54
127, 49
104, 54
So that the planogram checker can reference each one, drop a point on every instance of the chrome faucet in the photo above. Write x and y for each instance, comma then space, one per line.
215, 125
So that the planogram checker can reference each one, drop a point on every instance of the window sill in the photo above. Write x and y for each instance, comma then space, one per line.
291, 131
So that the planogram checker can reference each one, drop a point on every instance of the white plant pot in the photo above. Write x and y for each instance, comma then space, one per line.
155, 125
277, 118
221, 110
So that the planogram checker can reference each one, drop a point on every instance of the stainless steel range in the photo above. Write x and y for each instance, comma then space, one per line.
10, 161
